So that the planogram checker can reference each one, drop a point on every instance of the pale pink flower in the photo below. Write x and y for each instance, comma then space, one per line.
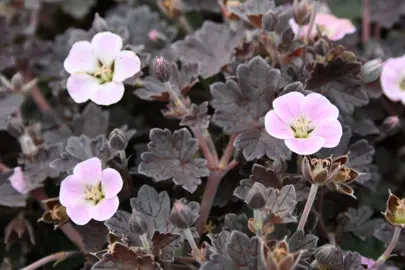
393, 78
99, 68
330, 26
305, 123
153, 35
90, 192
367, 261
18, 181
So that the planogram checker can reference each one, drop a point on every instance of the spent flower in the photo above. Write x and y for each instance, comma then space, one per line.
90, 192
305, 123
329, 25
97, 69
395, 211
393, 79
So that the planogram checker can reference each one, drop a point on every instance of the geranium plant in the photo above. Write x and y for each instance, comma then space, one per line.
215, 134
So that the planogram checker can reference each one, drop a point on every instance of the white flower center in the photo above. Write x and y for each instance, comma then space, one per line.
104, 73
94, 193
302, 128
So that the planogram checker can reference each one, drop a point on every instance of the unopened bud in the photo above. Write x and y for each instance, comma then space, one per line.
162, 69
371, 70
270, 21
15, 127
117, 139
27, 144
138, 223
391, 124
181, 216
302, 11
256, 198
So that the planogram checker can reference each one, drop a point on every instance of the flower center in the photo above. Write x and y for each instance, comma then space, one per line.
94, 193
402, 84
302, 128
400, 212
104, 73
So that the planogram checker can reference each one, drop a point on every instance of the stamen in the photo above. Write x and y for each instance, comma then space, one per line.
302, 128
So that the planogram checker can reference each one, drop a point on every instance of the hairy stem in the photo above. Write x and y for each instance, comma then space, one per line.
389, 249
332, 238
228, 152
175, 97
50, 258
308, 206
311, 21
211, 145
365, 21
257, 215
66, 228
212, 164
189, 236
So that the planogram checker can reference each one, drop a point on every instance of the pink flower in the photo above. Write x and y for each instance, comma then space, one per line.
90, 192
99, 68
305, 123
393, 78
367, 261
18, 181
330, 26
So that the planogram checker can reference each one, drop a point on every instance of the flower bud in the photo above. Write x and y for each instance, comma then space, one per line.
256, 197
391, 124
15, 127
181, 216
270, 21
395, 211
138, 223
371, 70
117, 140
162, 69
302, 11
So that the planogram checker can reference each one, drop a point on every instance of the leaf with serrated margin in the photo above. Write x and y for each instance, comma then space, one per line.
305, 242
171, 156
119, 226
352, 261
252, 11
92, 122
233, 222
281, 204
197, 116
212, 46
358, 221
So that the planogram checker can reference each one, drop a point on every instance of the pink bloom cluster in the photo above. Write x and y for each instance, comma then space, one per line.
99, 68
393, 79
18, 181
305, 123
330, 26
90, 192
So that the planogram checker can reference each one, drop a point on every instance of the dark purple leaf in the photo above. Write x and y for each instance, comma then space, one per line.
92, 122
300, 241
171, 156
197, 116
252, 11
386, 12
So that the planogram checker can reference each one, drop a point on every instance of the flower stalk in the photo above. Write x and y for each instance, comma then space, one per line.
57, 257
257, 215
189, 236
308, 206
389, 249
311, 21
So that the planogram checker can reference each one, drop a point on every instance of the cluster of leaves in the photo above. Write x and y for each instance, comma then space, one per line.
227, 70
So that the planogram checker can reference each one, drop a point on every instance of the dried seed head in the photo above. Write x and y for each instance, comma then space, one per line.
162, 69
181, 216
270, 21
395, 211
138, 223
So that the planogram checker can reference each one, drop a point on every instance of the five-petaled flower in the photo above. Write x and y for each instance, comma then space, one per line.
305, 123
329, 25
393, 79
99, 68
90, 192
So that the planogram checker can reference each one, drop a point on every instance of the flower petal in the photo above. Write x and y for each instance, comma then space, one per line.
72, 191
288, 107
80, 86
89, 171
111, 182
331, 130
277, 128
390, 79
126, 65
106, 46
81, 58
307, 146
316, 107
80, 213
105, 209
18, 181
108, 93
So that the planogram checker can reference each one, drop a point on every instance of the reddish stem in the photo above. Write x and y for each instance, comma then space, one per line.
53, 257
228, 152
204, 148
366, 21
3, 168
39, 99
232, 165
377, 31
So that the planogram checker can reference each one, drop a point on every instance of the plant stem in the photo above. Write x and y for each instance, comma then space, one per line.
175, 97
228, 152
186, 25
332, 238
389, 249
232, 165
311, 21
212, 164
50, 258
66, 228
308, 206
196, 251
365, 21
257, 215
208, 198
